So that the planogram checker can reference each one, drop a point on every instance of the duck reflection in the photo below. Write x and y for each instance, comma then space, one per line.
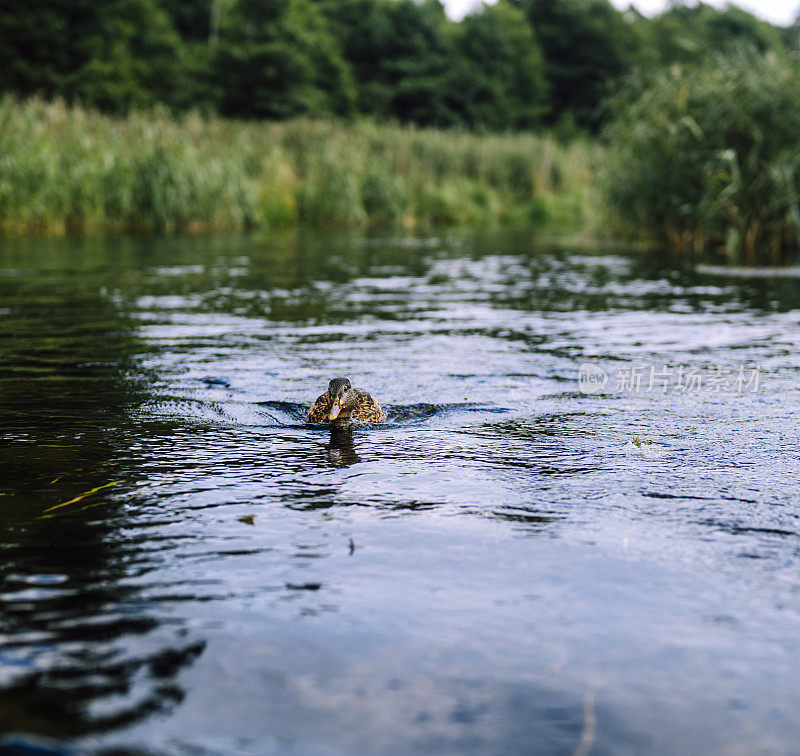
340, 449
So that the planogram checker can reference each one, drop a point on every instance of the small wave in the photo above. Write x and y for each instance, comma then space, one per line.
292, 413
412, 413
737, 271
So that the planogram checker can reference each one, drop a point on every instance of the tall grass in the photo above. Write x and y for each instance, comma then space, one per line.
708, 157
65, 170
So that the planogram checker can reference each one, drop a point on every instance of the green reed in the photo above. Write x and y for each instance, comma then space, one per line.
69, 170
707, 157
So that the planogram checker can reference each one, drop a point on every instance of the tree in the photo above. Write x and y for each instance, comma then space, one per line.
278, 58
192, 19
587, 46
498, 79
400, 54
113, 55
690, 34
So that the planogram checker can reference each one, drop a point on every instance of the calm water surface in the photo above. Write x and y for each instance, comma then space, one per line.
175, 560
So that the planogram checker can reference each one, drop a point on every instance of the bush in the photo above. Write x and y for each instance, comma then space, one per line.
708, 157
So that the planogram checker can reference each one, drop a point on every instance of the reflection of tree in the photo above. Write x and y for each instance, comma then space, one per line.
80, 649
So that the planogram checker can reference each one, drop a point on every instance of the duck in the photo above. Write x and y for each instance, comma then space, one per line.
342, 403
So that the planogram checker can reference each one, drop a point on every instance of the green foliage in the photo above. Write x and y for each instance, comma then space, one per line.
66, 170
709, 156
508, 66
587, 46
192, 19
398, 51
691, 34
115, 55
331, 196
412, 64
384, 196
278, 59
499, 70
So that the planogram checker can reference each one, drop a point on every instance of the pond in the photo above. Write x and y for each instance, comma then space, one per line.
187, 566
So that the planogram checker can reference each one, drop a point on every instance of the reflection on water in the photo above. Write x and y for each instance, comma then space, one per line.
187, 565
341, 449
82, 651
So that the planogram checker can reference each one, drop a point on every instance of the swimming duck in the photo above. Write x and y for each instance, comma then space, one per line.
341, 403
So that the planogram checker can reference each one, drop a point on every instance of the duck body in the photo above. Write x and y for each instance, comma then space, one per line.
342, 403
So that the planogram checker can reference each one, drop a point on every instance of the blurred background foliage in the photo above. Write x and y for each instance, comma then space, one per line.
519, 64
710, 158
177, 104
67, 169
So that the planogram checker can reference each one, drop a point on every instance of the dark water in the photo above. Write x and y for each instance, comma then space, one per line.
176, 569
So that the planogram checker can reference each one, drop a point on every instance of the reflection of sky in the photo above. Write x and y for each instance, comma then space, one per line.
777, 11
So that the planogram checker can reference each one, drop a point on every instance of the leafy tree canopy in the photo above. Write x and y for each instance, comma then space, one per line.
399, 53
511, 65
278, 58
499, 73
587, 46
114, 55
689, 34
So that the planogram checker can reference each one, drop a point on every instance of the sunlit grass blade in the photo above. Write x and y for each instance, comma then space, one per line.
84, 495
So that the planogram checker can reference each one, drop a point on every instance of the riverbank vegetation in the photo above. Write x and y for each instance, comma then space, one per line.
65, 169
169, 115
708, 158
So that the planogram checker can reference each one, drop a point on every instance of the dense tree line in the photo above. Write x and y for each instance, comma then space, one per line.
519, 64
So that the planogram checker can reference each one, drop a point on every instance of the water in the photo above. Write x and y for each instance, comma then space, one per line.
176, 566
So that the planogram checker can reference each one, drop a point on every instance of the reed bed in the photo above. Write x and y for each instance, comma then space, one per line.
707, 158
65, 170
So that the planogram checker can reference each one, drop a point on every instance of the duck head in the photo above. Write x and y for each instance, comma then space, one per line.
342, 399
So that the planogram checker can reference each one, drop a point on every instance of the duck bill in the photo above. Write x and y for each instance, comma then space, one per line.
336, 408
